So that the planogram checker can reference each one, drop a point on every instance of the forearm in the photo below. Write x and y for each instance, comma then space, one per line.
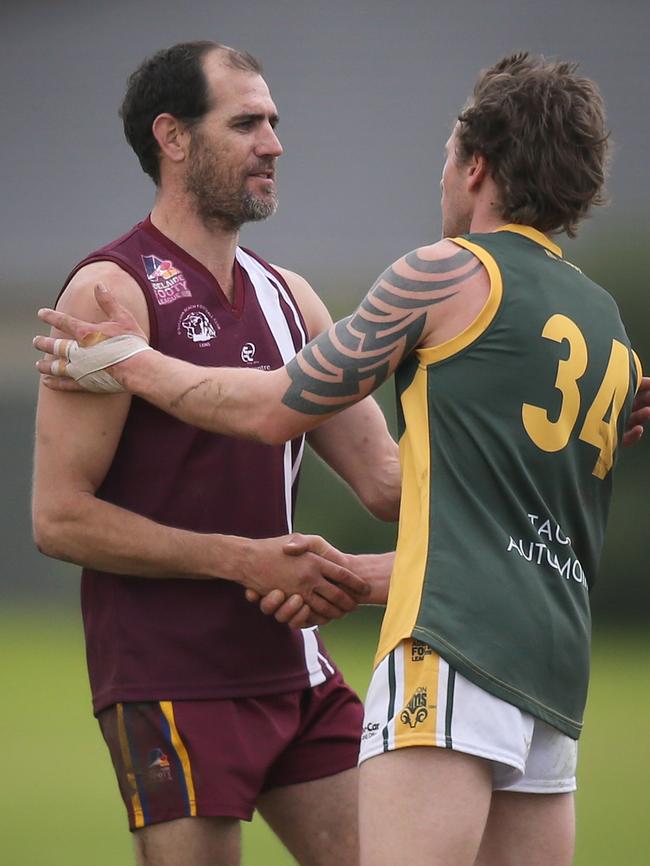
382, 488
375, 569
357, 445
242, 403
95, 534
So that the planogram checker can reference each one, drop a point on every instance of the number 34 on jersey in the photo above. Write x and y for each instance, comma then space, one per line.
600, 425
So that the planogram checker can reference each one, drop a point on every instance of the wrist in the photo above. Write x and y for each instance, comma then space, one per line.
223, 557
134, 371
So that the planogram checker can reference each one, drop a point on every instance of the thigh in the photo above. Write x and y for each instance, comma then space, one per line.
310, 795
199, 841
535, 829
326, 738
317, 821
423, 805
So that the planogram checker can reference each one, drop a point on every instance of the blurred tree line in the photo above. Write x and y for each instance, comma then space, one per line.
622, 592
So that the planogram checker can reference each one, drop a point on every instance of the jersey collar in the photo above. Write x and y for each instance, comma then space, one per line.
533, 235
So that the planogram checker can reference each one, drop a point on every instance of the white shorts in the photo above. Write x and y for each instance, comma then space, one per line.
416, 699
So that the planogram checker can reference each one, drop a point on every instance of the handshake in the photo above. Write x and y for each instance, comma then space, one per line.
304, 581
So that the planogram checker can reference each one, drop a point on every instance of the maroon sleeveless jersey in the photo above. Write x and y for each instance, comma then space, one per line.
156, 639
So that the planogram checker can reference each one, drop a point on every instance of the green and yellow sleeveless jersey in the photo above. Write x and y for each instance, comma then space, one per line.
508, 436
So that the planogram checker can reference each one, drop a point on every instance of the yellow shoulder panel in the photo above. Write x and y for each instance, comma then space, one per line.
432, 354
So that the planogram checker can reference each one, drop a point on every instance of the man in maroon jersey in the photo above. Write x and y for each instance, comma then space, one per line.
459, 806
209, 708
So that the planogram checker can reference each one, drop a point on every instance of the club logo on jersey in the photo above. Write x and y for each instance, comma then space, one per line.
416, 710
158, 766
199, 324
167, 281
248, 353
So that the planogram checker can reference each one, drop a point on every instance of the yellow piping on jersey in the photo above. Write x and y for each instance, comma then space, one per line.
409, 568
533, 235
639, 370
432, 354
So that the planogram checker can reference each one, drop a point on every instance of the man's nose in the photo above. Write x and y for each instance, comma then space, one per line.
269, 144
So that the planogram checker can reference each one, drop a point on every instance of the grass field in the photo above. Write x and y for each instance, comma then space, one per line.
59, 804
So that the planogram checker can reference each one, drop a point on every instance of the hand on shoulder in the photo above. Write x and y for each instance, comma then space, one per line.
78, 298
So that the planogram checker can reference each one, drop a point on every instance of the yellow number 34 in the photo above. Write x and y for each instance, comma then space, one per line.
554, 435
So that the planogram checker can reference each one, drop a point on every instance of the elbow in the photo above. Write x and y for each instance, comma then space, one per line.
383, 491
275, 428
383, 507
273, 435
48, 531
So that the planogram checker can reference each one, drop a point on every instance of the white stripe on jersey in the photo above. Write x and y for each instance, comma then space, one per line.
268, 291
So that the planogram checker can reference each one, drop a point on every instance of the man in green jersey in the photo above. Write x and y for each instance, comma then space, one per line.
516, 381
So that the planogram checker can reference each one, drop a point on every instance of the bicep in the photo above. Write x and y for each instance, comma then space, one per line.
76, 439
357, 354
77, 434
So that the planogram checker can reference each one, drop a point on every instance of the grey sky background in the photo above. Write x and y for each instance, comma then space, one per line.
367, 93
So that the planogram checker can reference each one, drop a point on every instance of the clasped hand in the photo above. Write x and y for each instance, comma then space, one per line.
302, 580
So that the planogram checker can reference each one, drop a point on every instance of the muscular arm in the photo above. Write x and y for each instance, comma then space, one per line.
76, 439
356, 443
427, 296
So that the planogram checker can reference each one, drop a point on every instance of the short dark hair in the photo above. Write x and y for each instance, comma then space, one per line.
171, 81
541, 128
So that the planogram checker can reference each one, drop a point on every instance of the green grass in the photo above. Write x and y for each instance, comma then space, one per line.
59, 802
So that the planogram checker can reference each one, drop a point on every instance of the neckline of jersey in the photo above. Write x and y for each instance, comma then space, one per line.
533, 235
237, 306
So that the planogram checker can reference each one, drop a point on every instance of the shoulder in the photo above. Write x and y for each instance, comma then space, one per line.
428, 272
444, 251
78, 297
314, 311
443, 280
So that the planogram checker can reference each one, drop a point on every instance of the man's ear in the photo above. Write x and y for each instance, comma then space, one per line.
172, 136
477, 171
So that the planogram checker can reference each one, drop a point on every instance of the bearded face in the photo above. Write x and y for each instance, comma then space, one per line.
226, 190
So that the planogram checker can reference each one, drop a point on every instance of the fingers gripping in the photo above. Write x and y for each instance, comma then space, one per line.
86, 363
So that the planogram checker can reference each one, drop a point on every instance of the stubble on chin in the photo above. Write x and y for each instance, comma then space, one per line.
228, 210
255, 208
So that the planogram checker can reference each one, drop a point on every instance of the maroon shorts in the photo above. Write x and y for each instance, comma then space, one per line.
175, 759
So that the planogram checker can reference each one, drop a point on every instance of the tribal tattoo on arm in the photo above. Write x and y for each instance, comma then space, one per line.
346, 363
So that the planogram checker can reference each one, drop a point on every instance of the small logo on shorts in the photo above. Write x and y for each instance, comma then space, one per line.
369, 730
416, 710
419, 650
158, 766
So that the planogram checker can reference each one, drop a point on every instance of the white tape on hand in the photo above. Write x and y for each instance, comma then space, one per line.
88, 365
